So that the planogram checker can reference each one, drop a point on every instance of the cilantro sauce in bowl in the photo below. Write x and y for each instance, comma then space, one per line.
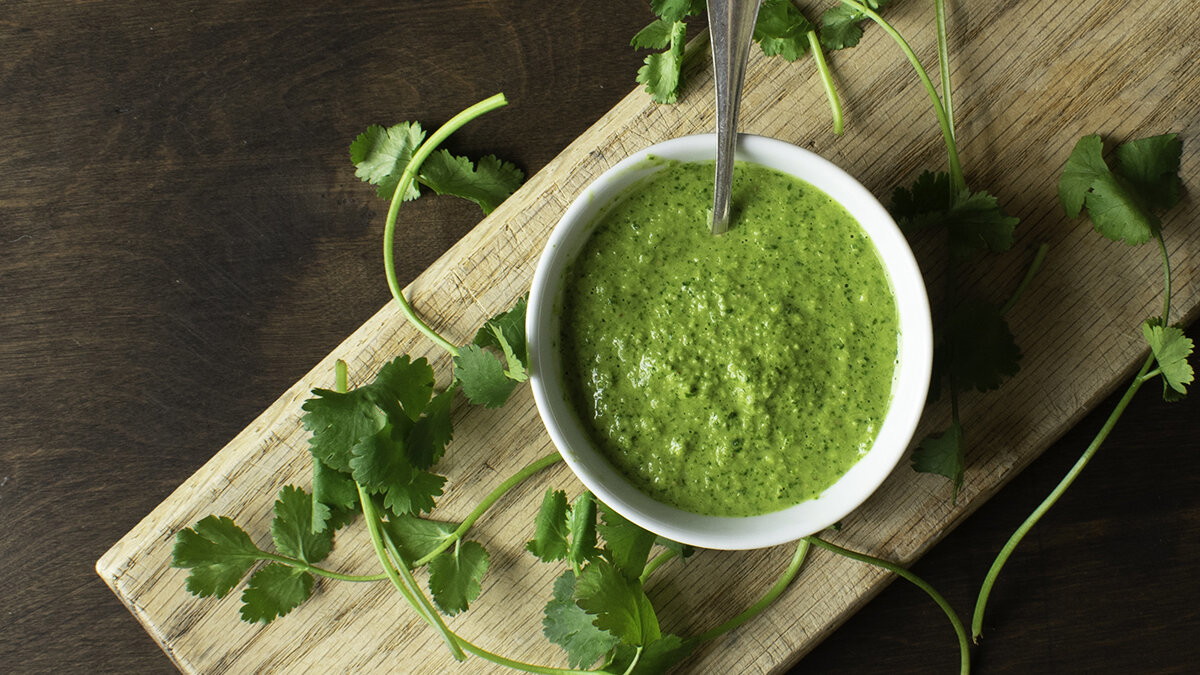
735, 391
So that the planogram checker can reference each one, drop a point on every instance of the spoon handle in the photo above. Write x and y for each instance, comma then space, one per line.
731, 27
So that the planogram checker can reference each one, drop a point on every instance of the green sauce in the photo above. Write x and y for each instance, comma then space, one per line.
733, 375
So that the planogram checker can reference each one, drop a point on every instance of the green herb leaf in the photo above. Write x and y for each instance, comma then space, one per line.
292, 528
338, 422
1151, 165
482, 377
943, 454
620, 605
403, 381
1171, 350
973, 221
432, 432
655, 36
416, 537
487, 185
380, 155
662, 72
628, 545
568, 626
550, 534
218, 553
1111, 201
656, 657
676, 10
978, 350
273, 591
581, 528
781, 30
840, 25
681, 550
334, 498
455, 576
506, 332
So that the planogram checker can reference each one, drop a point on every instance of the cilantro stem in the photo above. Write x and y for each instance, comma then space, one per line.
517, 665
406, 179
301, 565
655, 563
1166, 259
835, 102
944, 61
964, 645
1038, 259
487, 502
1001, 558
372, 518
957, 179
765, 601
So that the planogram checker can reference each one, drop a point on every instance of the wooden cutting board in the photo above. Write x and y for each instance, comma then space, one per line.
1031, 79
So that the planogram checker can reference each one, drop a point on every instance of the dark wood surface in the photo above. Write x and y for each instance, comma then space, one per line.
182, 237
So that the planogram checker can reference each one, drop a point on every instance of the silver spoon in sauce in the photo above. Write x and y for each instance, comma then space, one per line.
731, 27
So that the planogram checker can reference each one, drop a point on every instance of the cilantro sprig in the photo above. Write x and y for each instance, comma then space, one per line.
1125, 204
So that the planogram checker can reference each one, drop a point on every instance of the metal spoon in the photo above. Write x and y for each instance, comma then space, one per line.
731, 27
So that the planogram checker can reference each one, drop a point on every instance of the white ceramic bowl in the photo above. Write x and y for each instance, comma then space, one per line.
909, 387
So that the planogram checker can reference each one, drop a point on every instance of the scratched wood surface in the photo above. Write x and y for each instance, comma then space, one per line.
1030, 83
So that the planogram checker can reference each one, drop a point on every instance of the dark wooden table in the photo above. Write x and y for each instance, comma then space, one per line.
182, 237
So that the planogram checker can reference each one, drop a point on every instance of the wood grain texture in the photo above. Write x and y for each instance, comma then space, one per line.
181, 239
1073, 326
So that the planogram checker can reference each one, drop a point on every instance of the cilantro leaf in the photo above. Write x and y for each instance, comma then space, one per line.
781, 30
656, 657
292, 527
273, 591
334, 496
662, 71
429, 435
455, 576
550, 534
1171, 350
416, 537
403, 381
676, 10
218, 553
1151, 165
380, 155
840, 25
566, 624
655, 36
413, 493
978, 350
628, 545
581, 528
337, 422
943, 454
488, 184
1111, 201
482, 377
973, 220
507, 327
619, 604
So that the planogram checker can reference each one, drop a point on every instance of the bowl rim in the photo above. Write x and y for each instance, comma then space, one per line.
910, 379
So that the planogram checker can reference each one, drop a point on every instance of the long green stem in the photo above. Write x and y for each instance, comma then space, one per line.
655, 563
1001, 558
835, 102
377, 540
765, 601
1143, 375
1036, 265
500, 490
319, 571
939, 7
957, 179
964, 645
406, 179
